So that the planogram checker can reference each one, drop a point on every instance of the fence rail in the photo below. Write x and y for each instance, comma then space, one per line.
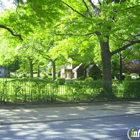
27, 90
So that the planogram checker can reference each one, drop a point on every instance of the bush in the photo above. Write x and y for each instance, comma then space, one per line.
128, 78
20, 90
60, 81
132, 76
88, 80
12, 75
81, 78
95, 84
131, 89
45, 76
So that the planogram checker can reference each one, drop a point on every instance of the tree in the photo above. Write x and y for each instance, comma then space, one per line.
26, 20
44, 46
7, 57
2, 26
109, 21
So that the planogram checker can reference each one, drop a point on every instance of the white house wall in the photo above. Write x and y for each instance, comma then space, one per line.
3, 72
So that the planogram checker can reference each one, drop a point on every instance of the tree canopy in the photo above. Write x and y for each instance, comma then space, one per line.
81, 29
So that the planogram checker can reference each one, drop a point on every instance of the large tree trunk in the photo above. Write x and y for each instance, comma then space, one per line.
106, 66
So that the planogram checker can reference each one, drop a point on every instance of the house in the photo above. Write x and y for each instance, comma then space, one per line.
71, 72
66, 71
93, 71
79, 71
132, 66
3, 72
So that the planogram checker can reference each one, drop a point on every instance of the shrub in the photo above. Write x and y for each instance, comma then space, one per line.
88, 80
131, 89
81, 78
60, 81
95, 84
45, 76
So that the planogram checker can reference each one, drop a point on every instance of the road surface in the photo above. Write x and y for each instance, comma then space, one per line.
96, 128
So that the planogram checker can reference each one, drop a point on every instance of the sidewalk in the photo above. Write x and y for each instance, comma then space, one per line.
34, 114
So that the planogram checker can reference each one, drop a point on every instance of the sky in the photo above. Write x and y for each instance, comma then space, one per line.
8, 3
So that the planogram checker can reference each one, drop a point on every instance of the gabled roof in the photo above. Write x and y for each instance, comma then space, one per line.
76, 68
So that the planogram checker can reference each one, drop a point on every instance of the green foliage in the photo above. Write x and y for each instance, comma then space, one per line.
39, 90
128, 78
58, 30
131, 89
89, 80
84, 90
81, 78
26, 90
60, 81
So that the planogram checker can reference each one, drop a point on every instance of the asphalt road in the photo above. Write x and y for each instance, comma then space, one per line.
96, 128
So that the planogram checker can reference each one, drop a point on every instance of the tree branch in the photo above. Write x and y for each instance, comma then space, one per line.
8, 29
68, 34
96, 9
125, 47
73, 9
99, 2
87, 8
